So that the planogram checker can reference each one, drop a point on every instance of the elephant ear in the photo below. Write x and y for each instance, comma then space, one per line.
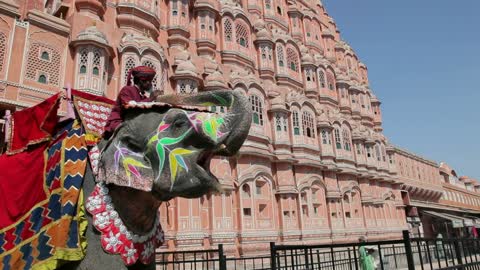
124, 164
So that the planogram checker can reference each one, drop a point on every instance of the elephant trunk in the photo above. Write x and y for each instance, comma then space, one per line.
237, 120
237, 123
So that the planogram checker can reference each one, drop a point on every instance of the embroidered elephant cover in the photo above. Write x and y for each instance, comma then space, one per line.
49, 229
42, 219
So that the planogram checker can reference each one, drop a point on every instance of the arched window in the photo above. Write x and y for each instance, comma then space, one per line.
346, 205
308, 126
338, 143
174, 8
241, 33
369, 153
257, 109
326, 137
83, 61
278, 122
186, 86
384, 154
279, 10
358, 146
377, 152
129, 64
292, 59
321, 78
346, 139
184, 8
296, 124
280, 56
96, 63
44, 59
266, 55
3, 45
227, 30
330, 80
246, 190
42, 79
268, 4
308, 29
91, 73
204, 20
45, 56
310, 77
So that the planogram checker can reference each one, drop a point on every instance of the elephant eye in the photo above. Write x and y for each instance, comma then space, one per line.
180, 123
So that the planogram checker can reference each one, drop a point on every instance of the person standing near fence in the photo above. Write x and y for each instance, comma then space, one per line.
366, 260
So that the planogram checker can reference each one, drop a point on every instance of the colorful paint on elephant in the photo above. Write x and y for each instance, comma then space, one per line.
130, 161
175, 156
209, 122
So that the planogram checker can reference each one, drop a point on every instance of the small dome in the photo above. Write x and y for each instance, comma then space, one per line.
181, 56
307, 59
92, 33
259, 24
264, 34
374, 98
323, 121
186, 68
328, 32
278, 103
215, 80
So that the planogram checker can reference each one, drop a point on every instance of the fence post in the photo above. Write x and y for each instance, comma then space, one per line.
273, 262
408, 250
222, 261
458, 253
307, 264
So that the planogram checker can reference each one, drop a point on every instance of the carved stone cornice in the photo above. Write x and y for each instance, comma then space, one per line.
49, 22
9, 8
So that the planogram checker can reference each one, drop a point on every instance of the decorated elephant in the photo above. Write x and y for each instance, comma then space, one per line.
162, 150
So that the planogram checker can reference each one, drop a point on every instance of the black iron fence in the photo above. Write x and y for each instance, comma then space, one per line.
407, 253
211, 259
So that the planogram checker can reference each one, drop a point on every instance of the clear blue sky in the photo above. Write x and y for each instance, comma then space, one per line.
423, 58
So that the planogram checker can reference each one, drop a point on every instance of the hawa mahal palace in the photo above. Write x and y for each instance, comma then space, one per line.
315, 168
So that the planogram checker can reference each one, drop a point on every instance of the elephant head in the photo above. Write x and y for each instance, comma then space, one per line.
166, 147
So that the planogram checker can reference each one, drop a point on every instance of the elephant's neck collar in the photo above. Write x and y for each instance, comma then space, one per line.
115, 237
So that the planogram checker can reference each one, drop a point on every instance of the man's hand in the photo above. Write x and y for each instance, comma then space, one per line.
155, 94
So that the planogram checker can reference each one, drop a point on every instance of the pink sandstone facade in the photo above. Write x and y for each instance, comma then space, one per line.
316, 167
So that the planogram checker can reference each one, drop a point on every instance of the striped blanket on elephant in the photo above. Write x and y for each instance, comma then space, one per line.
50, 175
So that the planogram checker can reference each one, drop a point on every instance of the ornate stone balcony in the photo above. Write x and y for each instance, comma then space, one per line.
235, 55
276, 20
207, 4
96, 8
146, 17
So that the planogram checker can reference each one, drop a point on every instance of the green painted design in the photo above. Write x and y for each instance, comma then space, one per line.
153, 139
161, 158
176, 160
223, 102
170, 141
161, 149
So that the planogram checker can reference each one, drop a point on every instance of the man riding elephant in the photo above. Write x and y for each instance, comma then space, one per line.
141, 91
